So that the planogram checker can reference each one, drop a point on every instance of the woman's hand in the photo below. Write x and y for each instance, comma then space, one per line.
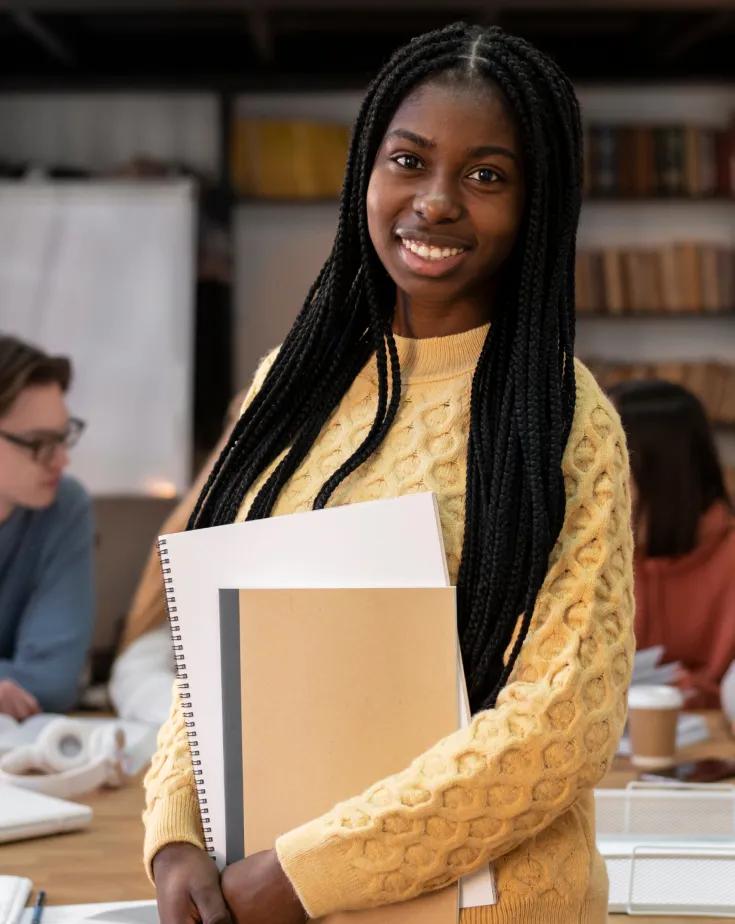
188, 887
257, 891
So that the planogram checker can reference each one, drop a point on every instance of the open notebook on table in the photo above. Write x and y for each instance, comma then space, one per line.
25, 814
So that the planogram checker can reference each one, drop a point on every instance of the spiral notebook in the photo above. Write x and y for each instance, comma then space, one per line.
387, 543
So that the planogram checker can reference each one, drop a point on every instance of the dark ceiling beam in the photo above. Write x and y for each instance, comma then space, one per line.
102, 7
694, 34
41, 34
261, 32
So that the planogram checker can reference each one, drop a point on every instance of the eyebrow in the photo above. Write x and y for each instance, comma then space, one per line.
483, 150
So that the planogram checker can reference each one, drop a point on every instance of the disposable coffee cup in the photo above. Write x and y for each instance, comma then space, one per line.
653, 712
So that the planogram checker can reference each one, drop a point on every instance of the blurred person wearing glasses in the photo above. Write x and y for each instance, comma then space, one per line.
46, 598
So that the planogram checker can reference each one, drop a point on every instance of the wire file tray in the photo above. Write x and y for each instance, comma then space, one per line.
669, 848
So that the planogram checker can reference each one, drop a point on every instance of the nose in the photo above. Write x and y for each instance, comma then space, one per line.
60, 459
438, 204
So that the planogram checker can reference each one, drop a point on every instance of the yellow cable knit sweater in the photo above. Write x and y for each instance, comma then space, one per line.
515, 787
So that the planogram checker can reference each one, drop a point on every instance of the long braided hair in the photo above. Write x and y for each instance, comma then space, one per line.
523, 389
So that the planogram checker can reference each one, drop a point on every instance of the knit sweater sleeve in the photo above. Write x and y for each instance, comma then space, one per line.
171, 806
481, 791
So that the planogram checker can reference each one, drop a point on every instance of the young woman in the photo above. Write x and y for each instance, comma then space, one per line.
435, 352
685, 536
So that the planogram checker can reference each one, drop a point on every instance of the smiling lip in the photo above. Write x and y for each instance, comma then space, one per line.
433, 240
430, 259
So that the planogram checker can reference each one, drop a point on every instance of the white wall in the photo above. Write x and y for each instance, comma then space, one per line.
279, 250
100, 131
103, 272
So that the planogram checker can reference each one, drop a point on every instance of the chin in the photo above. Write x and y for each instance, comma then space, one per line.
43, 497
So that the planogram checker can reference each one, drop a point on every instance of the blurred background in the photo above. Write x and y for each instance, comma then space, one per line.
169, 173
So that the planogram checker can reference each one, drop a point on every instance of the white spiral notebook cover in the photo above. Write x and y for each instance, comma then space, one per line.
387, 543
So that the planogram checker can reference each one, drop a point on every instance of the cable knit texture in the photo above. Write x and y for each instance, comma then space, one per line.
515, 786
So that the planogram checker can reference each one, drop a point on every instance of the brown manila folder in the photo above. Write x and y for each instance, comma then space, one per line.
325, 692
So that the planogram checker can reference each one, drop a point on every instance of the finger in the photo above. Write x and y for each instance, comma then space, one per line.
17, 706
23, 703
211, 905
30, 701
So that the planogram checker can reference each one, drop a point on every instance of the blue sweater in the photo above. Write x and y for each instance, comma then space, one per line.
46, 596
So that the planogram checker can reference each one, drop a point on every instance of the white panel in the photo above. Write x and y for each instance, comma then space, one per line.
634, 224
103, 272
659, 339
101, 131
279, 250
327, 107
695, 104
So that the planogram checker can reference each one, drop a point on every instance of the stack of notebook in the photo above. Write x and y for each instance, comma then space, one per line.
277, 625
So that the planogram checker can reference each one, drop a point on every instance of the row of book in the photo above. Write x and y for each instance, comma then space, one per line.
673, 278
300, 158
712, 382
288, 158
638, 161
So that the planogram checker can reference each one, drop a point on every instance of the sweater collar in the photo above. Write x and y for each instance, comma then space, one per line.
438, 357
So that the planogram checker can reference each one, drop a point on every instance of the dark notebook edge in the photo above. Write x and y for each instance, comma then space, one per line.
229, 621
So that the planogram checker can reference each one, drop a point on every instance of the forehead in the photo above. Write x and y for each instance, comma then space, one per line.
458, 114
38, 406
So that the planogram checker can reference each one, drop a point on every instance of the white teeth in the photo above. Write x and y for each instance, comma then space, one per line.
427, 252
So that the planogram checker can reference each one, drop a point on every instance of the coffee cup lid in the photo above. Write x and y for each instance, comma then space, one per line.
643, 696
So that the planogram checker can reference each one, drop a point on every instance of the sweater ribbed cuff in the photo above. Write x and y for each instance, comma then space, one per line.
173, 819
316, 870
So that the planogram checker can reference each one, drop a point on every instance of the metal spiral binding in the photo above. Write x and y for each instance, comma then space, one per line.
187, 709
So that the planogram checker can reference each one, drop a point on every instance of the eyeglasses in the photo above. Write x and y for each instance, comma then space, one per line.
43, 448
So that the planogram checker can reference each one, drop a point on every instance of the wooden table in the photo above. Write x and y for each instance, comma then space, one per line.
103, 862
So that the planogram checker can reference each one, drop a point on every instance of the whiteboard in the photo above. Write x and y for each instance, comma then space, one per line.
104, 272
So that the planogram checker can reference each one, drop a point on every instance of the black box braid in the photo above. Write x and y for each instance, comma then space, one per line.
523, 389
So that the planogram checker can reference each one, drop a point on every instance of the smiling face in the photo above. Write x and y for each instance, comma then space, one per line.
445, 199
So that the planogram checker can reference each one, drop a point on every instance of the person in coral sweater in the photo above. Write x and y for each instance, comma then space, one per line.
685, 536
435, 352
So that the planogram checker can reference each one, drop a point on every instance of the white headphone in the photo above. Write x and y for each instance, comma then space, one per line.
72, 759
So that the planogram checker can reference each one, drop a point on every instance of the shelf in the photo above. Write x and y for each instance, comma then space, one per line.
655, 315
239, 199
658, 200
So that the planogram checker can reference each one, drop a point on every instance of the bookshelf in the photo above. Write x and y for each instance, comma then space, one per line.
650, 223
272, 234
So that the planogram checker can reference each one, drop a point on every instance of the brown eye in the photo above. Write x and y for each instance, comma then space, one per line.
485, 175
407, 161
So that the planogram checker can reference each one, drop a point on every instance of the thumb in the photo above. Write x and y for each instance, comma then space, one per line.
211, 905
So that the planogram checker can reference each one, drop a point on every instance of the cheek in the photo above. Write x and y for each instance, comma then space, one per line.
374, 215
499, 229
